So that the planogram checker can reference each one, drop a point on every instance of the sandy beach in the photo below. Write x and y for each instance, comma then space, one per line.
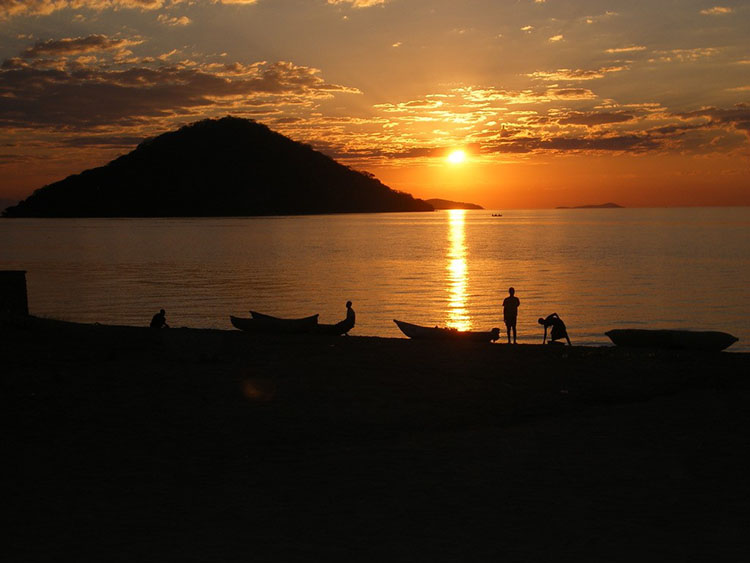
130, 444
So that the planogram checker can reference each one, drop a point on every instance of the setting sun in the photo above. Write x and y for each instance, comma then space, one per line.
457, 157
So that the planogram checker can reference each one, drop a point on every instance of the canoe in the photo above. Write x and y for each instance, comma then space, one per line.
334, 330
436, 333
266, 323
341, 327
709, 341
311, 320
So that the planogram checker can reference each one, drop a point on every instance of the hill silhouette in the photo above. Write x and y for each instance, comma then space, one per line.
216, 167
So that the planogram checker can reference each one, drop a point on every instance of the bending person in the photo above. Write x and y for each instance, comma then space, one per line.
347, 324
558, 329
159, 320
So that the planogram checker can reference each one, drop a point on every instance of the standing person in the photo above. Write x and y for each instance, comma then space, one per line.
558, 329
510, 313
159, 320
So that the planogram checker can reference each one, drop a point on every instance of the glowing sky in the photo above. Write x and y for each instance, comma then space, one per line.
554, 102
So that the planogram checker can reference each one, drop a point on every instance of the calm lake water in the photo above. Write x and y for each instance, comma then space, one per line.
598, 269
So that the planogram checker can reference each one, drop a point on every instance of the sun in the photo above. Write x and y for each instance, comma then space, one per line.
457, 156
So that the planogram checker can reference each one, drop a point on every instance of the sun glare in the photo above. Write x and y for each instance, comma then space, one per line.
457, 157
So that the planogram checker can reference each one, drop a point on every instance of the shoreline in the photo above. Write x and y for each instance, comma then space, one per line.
205, 444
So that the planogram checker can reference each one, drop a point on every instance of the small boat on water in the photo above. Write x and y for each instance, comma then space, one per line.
436, 333
708, 341
266, 323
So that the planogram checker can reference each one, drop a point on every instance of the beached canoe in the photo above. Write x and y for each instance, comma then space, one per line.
710, 341
436, 333
266, 323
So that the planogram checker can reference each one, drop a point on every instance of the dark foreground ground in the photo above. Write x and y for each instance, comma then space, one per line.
129, 444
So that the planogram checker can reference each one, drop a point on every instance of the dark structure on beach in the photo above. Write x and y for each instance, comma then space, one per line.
14, 300
216, 167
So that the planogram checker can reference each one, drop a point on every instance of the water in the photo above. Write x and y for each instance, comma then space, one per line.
598, 269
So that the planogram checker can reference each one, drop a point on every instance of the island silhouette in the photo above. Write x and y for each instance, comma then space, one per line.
217, 167
448, 204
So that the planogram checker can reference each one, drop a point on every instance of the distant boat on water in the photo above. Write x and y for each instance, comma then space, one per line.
708, 341
436, 333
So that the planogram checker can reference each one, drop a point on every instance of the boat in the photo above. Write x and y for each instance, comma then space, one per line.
260, 322
708, 341
437, 333
341, 327
334, 330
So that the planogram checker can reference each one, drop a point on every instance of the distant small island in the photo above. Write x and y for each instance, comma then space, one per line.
447, 204
599, 206
4, 202
217, 168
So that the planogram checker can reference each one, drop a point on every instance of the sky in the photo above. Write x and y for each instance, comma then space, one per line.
553, 102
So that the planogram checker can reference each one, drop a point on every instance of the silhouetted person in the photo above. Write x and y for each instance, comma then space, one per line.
159, 320
348, 323
558, 329
510, 313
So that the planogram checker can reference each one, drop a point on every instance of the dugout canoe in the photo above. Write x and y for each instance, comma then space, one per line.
436, 333
260, 322
708, 341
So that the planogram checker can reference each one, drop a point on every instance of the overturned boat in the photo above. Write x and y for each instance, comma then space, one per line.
437, 333
708, 341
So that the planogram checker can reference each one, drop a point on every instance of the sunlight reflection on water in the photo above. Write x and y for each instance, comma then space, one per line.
458, 316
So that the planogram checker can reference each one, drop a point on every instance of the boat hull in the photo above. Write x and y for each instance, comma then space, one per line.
436, 333
708, 341
268, 324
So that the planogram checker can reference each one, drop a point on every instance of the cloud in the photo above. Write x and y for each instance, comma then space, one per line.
555, 38
630, 49
622, 143
737, 117
717, 11
593, 119
575, 74
76, 45
601, 17
540, 121
570, 94
11, 8
173, 21
685, 55
87, 96
358, 3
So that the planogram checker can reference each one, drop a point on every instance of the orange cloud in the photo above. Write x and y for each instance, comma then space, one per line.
575, 74
358, 3
77, 45
717, 11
